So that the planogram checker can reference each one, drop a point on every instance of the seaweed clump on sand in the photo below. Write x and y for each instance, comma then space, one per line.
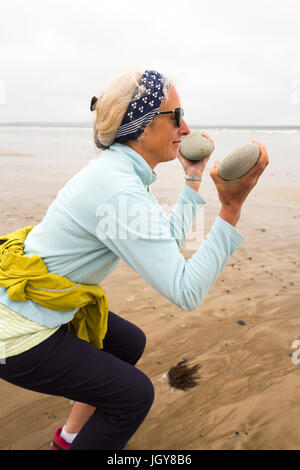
182, 376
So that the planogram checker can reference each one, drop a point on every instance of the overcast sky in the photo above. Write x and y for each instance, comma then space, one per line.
234, 62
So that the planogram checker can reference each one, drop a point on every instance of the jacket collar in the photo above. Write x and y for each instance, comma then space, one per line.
142, 169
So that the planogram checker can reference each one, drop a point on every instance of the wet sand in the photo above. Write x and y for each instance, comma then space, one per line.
247, 396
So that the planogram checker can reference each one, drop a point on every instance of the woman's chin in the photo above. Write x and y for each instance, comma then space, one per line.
172, 155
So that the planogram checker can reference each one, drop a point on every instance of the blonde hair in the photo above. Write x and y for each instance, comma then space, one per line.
113, 102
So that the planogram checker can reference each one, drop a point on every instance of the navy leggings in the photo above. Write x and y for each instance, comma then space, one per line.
66, 366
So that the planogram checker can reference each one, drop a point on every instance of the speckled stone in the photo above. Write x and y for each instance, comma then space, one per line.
195, 146
239, 162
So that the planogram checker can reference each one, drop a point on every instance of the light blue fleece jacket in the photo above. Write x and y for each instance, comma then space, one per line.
107, 212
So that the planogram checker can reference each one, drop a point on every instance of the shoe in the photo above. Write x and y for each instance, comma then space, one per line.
58, 443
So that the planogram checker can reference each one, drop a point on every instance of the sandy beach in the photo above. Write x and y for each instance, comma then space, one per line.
247, 396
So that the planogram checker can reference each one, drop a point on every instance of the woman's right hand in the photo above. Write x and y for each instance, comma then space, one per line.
233, 194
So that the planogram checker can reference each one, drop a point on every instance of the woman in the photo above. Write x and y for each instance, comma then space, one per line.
105, 213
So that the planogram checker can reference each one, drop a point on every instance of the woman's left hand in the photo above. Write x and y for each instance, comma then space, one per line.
194, 167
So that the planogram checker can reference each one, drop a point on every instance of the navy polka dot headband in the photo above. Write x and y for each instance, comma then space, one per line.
142, 107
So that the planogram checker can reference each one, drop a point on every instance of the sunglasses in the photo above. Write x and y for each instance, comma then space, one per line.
178, 115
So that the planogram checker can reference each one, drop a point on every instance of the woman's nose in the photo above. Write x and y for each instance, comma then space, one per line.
184, 128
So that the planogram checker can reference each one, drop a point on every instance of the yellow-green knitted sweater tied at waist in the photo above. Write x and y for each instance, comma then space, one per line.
27, 278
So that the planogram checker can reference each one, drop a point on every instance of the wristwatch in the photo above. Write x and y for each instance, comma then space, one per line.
193, 178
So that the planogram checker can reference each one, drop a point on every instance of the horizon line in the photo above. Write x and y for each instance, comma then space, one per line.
90, 125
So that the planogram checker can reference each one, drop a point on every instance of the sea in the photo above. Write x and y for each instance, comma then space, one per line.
72, 143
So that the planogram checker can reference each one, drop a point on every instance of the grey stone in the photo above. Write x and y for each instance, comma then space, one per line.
239, 162
195, 146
